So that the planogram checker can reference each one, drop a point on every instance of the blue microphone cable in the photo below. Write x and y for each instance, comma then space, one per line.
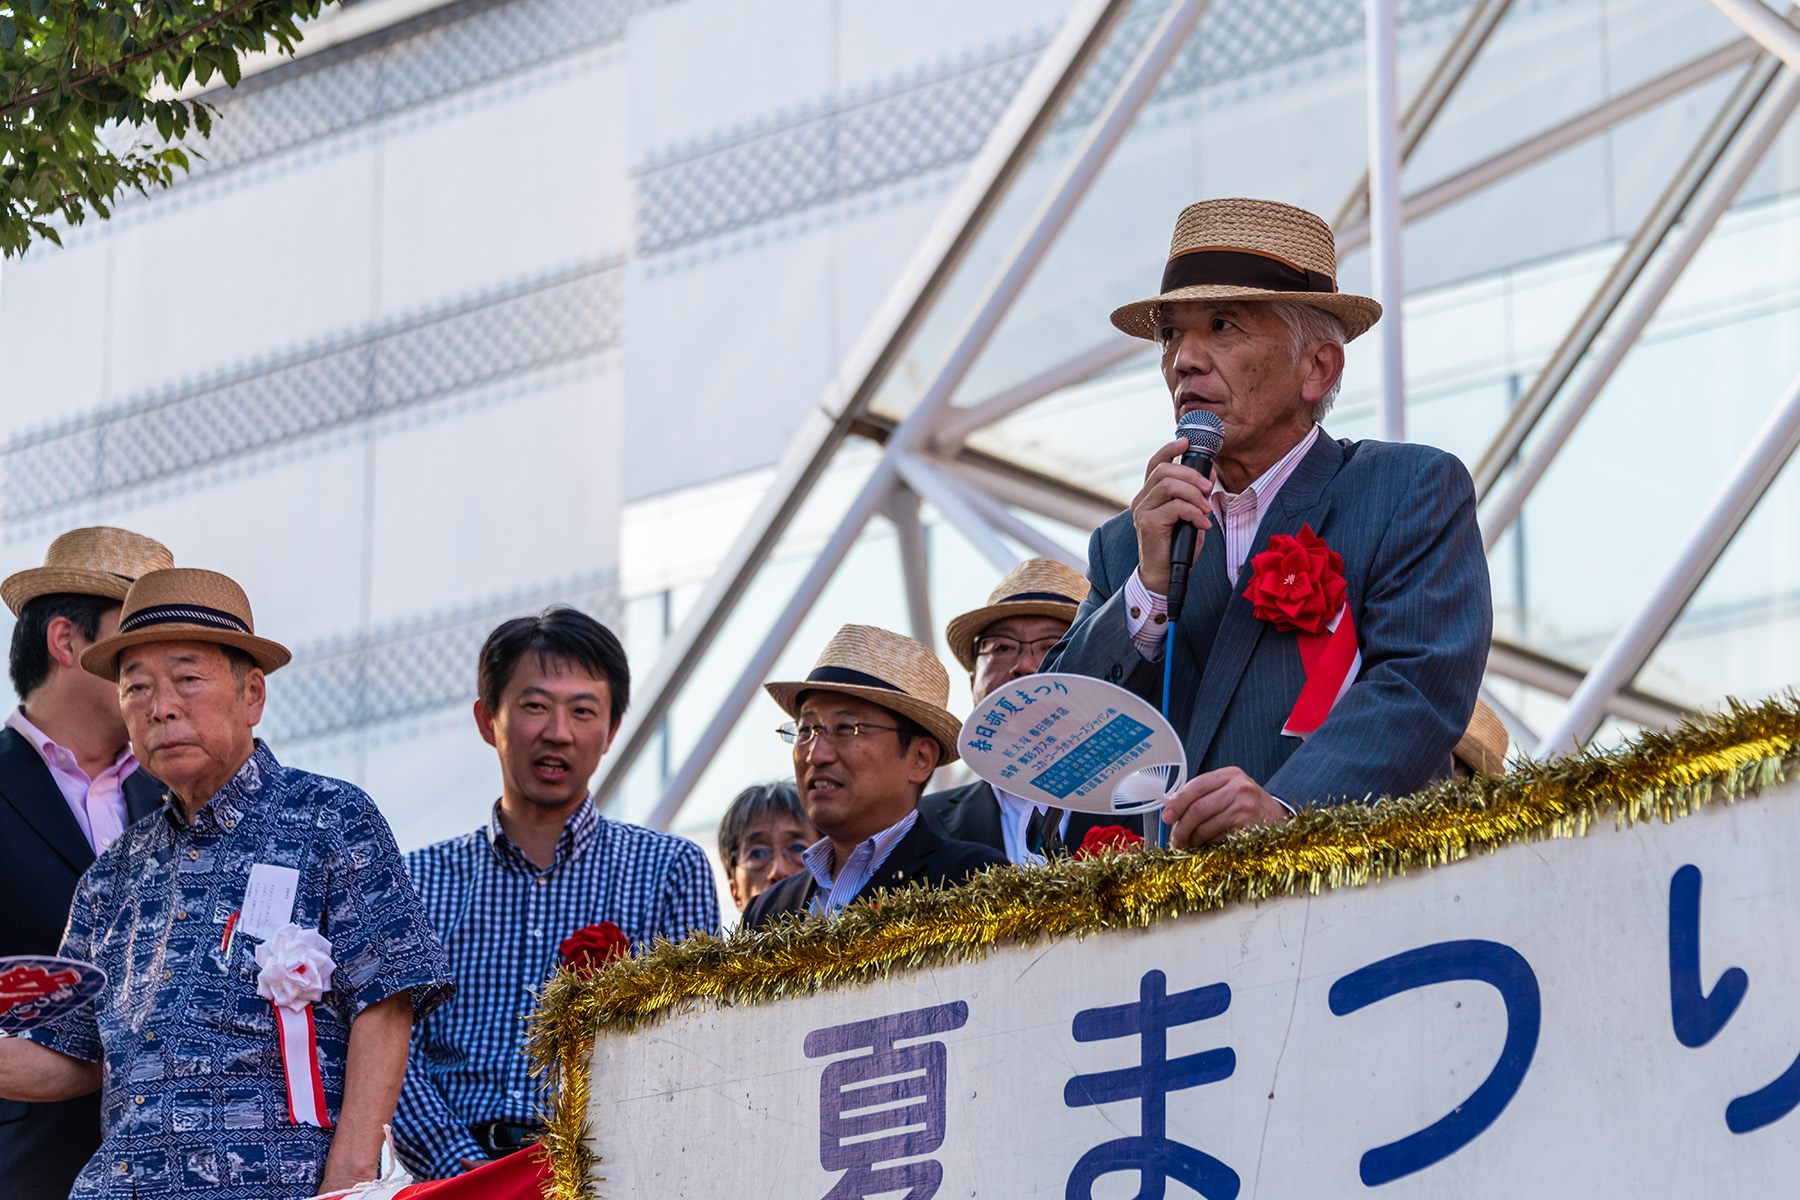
1162, 826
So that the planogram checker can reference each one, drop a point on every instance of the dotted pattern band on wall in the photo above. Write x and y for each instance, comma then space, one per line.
409, 668
383, 369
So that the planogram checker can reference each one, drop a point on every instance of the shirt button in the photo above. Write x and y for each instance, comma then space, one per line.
149, 1037
137, 1099
193, 856
165, 975
229, 823
124, 1168
181, 914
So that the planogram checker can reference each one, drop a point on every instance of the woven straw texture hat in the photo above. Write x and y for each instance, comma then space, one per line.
884, 668
1251, 250
1037, 587
1484, 744
184, 605
96, 561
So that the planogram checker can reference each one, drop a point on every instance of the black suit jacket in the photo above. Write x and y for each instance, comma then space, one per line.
921, 856
972, 813
42, 853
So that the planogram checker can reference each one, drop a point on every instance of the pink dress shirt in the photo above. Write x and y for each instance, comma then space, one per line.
98, 803
1237, 514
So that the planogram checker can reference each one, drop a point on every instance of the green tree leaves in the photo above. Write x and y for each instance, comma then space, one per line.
84, 84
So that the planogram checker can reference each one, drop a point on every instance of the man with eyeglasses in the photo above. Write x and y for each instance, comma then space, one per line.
763, 839
999, 643
870, 726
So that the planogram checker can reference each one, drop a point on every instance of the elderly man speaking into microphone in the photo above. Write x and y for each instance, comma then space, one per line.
1337, 614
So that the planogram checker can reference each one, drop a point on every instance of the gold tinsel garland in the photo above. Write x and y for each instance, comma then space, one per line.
1656, 776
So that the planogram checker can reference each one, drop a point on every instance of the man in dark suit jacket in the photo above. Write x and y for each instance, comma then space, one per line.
1252, 330
1003, 641
54, 820
869, 728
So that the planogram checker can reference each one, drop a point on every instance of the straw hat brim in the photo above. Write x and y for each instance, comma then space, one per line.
1484, 744
940, 724
1357, 313
102, 658
962, 631
22, 588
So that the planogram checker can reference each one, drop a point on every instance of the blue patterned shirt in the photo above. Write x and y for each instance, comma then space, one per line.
503, 922
194, 1102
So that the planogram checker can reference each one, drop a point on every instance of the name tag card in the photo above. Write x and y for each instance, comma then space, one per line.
268, 900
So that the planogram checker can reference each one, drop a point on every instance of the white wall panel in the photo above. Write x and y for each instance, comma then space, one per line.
251, 270
497, 498
505, 189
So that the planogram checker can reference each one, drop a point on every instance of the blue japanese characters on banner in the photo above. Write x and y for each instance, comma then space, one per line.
882, 1100
886, 1106
1075, 743
1699, 1015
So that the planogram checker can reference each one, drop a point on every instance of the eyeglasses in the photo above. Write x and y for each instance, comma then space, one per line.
1007, 649
837, 735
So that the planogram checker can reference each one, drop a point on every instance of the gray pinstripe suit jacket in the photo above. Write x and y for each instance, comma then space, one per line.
1403, 518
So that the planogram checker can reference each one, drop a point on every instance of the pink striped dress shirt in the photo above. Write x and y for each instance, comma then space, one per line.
1236, 515
98, 803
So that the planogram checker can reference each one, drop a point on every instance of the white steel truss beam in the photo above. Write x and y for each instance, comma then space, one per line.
1128, 97
1534, 150
1632, 646
1436, 91
1650, 235
1776, 34
1002, 159
1714, 198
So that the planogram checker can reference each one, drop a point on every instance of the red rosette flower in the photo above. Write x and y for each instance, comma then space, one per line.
1297, 583
587, 950
1108, 837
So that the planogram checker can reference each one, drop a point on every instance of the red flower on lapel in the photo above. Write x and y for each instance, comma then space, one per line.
1108, 837
1297, 583
588, 949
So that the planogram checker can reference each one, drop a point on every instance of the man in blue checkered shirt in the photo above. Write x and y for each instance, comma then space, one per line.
552, 691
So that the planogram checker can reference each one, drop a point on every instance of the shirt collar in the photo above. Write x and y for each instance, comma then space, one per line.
228, 806
819, 857
49, 751
1262, 489
577, 834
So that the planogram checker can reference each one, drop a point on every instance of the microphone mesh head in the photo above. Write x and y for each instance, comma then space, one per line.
1203, 430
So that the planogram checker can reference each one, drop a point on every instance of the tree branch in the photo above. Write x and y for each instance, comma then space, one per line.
150, 52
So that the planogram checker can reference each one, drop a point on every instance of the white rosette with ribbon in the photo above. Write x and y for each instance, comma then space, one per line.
296, 973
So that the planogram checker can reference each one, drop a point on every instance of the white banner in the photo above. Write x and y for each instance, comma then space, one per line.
1603, 1016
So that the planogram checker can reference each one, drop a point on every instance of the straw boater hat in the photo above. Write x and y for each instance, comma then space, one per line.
97, 561
1037, 587
184, 605
1251, 250
883, 668
1484, 744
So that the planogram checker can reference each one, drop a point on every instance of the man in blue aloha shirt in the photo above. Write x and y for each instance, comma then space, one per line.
183, 1040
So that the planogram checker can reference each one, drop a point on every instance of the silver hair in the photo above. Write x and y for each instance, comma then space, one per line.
1309, 325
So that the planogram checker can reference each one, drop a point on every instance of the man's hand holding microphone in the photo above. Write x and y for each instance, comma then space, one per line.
1171, 513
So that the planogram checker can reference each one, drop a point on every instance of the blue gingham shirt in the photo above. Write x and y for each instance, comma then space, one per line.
194, 1100
502, 921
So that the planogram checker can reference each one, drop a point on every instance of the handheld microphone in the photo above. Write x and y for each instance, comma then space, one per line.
1205, 435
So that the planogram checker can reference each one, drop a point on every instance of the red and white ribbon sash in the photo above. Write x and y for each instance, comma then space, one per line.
1332, 661
296, 973
300, 1061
